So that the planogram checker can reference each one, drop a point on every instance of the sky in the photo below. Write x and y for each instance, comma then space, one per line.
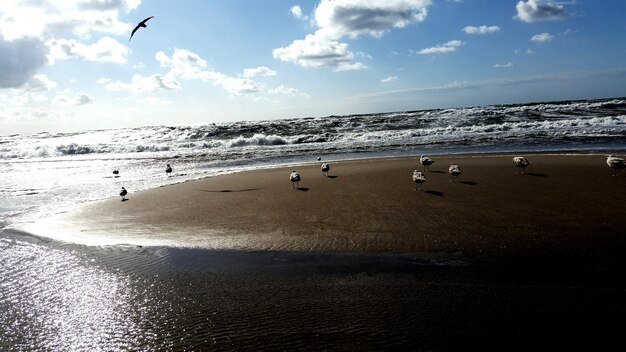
68, 65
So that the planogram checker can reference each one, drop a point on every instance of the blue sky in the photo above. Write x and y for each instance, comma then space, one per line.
68, 65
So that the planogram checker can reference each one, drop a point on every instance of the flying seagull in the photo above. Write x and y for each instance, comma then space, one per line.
141, 24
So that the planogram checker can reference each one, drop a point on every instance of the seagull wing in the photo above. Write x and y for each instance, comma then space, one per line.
139, 25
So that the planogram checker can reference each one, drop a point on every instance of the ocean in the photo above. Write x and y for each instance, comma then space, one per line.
69, 296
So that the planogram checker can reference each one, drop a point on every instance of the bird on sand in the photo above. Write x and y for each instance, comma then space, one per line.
168, 169
521, 162
141, 24
123, 193
418, 178
426, 162
294, 178
615, 163
325, 169
454, 170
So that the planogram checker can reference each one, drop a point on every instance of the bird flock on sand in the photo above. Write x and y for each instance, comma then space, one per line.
124, 192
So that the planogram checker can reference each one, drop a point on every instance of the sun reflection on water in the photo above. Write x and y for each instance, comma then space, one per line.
56, 299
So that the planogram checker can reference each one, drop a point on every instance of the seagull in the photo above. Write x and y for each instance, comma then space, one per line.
294, 178
615, 163
418, 178
123, 193
522, 162
319, 158
141, 24
168, 169
426, 162
325, 169
116, 172
454, 170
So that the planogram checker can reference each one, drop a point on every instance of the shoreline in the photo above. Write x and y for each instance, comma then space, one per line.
371, 206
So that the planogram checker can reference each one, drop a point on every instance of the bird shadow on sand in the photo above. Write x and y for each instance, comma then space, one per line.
333, 176
435, 193
470, 183
436, 172
303, 189
536, 174
125, 200
229, 190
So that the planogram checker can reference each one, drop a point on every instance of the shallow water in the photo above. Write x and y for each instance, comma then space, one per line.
61, 297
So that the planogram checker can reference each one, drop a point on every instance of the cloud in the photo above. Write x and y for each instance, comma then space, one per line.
442, 48
481, 29
157, 101
20, 59
48, 19
337, 19
535, 10
508, 64
258, 71
39, 83
106, 49
541, 38
144, 84
389, 79
316, 51
282, 89
65, 99
188, 66
296, 11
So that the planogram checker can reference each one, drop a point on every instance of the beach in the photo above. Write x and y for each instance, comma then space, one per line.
359, 260
562, 205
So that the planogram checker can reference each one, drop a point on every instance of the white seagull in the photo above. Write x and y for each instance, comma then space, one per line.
123, 193
294, 178
454, 170
418, 178
426, 162
522, 162
141, 24
615, 163
325, 169
168, 169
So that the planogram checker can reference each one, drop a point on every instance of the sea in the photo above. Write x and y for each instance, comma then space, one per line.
66, 296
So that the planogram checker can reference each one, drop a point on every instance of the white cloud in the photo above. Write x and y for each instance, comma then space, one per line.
258, 71
64, 99
145, 84
282, 89
336, 19
541, 38
39, 83
508, 64
106, 49
296, 11
20, 59
49, 18
481, 29
156, 101
315, 51
442, 48
535, 10
389, 79
183, 65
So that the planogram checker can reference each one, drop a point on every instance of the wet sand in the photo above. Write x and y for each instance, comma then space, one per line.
564, 204
355, 261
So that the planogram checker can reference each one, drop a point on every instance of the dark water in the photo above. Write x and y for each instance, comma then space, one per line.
129, 298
